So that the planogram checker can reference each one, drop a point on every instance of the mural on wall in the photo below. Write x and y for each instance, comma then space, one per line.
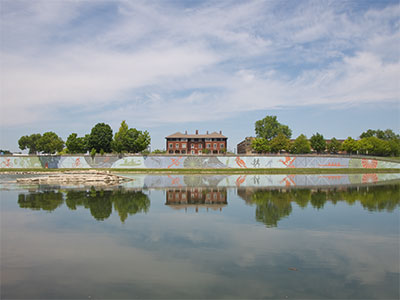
192, 162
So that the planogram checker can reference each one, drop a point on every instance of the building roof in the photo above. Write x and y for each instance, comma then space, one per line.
196, 136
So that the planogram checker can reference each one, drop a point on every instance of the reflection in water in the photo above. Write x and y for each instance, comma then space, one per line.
99, 202
214, 198
47, 200
273, 205
320, 251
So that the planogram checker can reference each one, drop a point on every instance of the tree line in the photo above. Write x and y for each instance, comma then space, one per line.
100, 140
274, 137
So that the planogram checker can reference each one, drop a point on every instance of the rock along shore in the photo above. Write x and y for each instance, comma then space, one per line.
90, 177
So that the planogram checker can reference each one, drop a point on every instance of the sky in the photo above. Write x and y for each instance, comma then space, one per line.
331, 67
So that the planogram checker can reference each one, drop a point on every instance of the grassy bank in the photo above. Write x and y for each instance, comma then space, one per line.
216, 171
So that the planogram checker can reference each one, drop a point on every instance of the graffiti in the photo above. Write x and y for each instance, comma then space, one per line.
240, 180
369, 178
289, 180
256, 180
174, 180
288, 162
369, 163
6, 163
240, 162
77, 163
332, 165
191, 162
256, 163
175, 162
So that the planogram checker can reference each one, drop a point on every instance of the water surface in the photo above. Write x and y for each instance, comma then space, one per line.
201, 237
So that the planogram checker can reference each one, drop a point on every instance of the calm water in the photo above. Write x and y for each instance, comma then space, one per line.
198, 238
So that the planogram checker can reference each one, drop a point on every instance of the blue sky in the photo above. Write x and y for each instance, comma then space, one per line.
164, 66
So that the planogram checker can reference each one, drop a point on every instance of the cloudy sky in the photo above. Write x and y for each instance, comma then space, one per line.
164, 66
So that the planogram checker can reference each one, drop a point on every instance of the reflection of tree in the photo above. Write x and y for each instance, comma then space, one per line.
130, 203
380, 198
301, 196
318, 199
48, 200
99, 202
273, 205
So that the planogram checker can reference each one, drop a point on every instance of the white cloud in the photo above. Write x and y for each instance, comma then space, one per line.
226, 56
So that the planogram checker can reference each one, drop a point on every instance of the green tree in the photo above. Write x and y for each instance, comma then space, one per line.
269, 127
374, 146
386, 135
394, 145
130, 139
279, 143
349, 145
318, 142
138, 141
301, 145
119, 144
260, 145
76, 144
100, 138
93, 153
50, 143
158, 151
334, 146
29, 142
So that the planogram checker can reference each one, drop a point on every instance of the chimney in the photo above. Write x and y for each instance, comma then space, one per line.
197, 131
220, 132
207, 131
186, 132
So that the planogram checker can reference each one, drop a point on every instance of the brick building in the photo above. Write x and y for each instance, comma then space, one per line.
184, 143
244, 147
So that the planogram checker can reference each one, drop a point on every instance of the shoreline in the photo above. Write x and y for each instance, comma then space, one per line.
204, 171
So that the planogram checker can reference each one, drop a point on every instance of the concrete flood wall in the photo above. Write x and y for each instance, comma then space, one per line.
191, 162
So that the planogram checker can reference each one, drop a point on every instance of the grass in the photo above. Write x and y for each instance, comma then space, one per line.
220, 171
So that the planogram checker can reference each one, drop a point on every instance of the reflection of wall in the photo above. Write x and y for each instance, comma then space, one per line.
190, 162
214, 198
256, 181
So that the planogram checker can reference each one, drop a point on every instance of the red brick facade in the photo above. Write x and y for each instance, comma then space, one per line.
179, 143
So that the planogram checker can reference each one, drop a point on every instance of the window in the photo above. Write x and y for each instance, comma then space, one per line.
208, 145
192, 151
192, 146
170, 145
200, 152
221, 146
177, 145
215, 146
184, 146
200, 146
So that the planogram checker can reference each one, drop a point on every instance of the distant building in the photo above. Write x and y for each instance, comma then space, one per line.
184, 143
244, 147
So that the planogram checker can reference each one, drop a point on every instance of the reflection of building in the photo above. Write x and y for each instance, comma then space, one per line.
197, 197
244, 147
213, 143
